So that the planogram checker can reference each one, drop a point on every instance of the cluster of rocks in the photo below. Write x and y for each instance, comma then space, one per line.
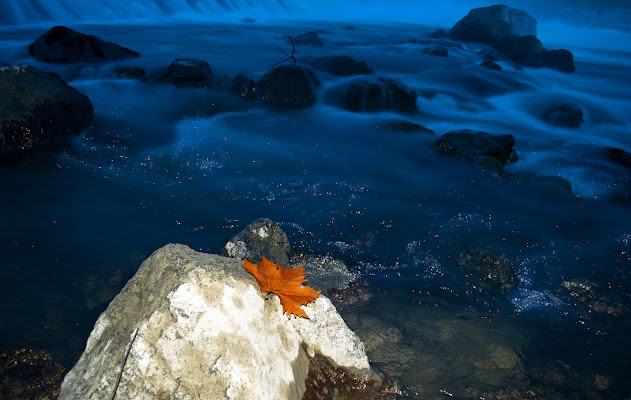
196, 325
32, 99
513, 33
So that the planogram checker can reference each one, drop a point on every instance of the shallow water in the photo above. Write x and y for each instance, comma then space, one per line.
161, 164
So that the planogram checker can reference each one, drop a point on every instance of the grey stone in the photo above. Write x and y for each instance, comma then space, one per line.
64, 45
326, 272
195, 325
261, 238
38, 108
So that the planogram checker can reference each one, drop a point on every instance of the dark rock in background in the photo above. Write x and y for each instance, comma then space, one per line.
243, 86
64, 45
439, 51
288, 86
379, 94
562, 60
37, 109
488, 24
491, 65
481, 148
438, 34
309, 38
619, 156
512, 32
406, 126
341, 66
129, 72
564, 115
188, 72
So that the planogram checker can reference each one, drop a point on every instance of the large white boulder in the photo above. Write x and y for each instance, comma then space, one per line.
191, 325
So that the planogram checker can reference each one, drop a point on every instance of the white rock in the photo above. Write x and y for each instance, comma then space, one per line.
205, 331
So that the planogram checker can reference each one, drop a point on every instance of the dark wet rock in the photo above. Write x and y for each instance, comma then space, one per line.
438, 34
491, 65
488, 55
63, 45
590, 299
341, 66
38, 108
407, 126
488, 24
309, 38
290, 86
324, 379
551, 185
564, 115
619, 156
481, 148
512, 32
494, 270
243, 86
261, 238
129, 72
190, 72
439, 51
562, 60
525, 50
379, 94
29, 374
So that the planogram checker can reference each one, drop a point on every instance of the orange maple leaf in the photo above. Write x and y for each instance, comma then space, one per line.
286, 283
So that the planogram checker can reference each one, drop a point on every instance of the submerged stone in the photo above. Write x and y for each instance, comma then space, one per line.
494, 270
29, 374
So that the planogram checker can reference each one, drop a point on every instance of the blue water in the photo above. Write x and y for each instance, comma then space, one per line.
161, 164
